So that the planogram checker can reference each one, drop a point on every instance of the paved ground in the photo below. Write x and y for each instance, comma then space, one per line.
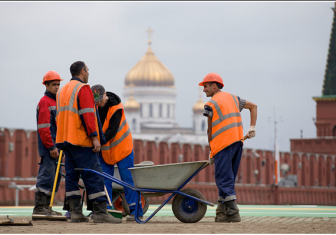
255, 219
245, 210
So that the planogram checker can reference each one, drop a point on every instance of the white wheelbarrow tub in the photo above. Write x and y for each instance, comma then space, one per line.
164, 177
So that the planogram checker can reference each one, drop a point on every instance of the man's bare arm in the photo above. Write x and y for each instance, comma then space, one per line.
253, 115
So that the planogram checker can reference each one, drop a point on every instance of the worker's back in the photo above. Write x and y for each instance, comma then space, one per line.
227, 126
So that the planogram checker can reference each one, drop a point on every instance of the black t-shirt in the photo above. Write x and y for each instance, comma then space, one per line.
114, 122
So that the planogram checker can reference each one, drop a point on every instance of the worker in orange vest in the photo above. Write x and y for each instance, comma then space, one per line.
79, 134
225, 136
119, 147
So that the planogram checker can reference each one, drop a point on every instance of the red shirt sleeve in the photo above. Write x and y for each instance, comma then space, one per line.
43, 125
86, 105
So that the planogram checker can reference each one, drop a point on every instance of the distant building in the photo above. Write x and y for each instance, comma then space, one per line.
325, 108
149, 101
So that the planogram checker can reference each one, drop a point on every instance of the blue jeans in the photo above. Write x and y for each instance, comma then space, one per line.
83, 157
226, 168
126, 176
46, 175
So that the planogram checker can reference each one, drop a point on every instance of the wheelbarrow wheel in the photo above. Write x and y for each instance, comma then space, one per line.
121, 204
188, 210
144, 203
118, 202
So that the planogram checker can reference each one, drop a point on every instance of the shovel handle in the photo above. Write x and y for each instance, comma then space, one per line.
108, 197
56, 176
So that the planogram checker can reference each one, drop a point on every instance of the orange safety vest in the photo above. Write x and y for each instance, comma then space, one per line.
121, 145
69, 125
227, 125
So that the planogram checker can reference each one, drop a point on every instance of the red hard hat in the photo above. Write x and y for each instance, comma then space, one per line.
212, 77
50, 76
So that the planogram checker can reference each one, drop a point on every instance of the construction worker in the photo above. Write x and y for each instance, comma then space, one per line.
78, 135
225, 136
46, 136
119, 147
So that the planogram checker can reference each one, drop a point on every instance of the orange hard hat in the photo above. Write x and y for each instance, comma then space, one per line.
50, 76
212, 77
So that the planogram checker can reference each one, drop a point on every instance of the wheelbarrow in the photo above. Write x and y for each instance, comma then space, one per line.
189, 205
118, 195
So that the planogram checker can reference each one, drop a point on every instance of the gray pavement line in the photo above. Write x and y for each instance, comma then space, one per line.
273, 218
300, 219
298, 213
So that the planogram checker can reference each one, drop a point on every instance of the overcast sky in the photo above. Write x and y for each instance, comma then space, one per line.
270, 53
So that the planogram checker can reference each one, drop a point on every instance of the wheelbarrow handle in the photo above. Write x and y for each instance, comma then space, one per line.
79, 169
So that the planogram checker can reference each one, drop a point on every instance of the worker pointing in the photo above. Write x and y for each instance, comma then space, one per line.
225, 136
80, 136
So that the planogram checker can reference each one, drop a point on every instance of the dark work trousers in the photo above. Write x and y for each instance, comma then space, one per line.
226, 167
46, 175
83, 157
126, 176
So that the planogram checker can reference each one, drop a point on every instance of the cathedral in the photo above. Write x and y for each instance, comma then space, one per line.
150, 95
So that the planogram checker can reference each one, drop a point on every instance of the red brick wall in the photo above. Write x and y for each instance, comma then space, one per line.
325, 145
313, 170
325, 118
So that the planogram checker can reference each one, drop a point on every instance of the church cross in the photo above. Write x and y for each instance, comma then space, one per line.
149, 31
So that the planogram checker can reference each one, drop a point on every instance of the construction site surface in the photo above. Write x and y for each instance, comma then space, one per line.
268, 219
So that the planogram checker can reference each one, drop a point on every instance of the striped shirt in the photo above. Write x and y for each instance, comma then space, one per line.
208, 110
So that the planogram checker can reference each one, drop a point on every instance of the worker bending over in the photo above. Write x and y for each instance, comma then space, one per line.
119, 147
225, 136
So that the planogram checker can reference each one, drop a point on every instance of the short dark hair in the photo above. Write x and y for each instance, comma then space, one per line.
217, 83
76, 68
49, 82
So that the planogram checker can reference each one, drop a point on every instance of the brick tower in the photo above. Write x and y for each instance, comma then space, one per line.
325, 108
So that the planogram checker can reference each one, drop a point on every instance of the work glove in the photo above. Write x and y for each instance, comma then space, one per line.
211, 159
81, 182
251, 132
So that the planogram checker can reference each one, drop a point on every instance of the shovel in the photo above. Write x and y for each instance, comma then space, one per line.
114, 213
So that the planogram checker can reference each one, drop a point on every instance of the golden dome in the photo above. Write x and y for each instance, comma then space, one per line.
199, 106
131, 104
149, 71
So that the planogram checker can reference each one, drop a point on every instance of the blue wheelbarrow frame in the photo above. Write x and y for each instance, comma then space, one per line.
139, 190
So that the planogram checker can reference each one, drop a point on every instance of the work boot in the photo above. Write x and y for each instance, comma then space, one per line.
220, 211
101, 215
231, 213
48, 204
76, 211
40, 201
